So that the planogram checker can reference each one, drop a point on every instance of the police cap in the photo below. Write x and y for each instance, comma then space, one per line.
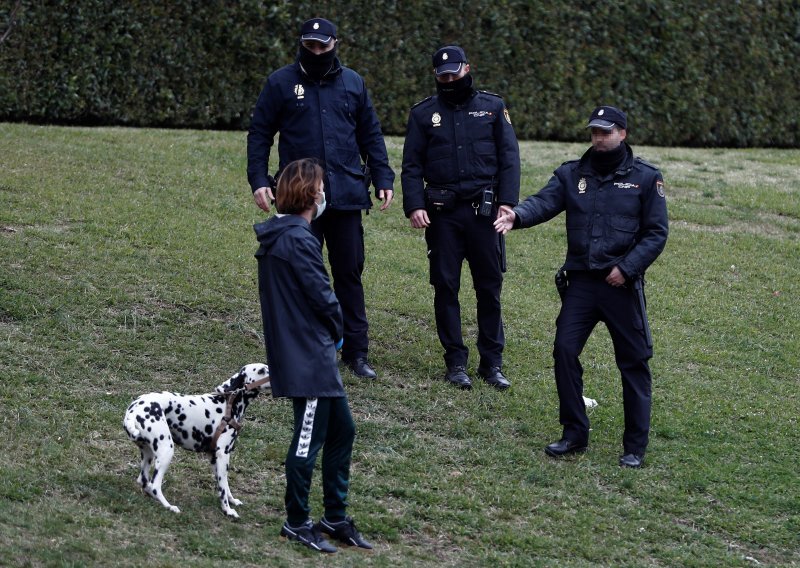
448, 59
318, 29
607, 117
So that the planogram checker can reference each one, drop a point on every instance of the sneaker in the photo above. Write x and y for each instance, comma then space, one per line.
343, 531
308, 535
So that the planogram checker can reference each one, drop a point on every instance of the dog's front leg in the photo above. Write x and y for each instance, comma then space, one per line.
220, 465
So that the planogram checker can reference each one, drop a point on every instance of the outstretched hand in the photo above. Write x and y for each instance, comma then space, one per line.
505, 219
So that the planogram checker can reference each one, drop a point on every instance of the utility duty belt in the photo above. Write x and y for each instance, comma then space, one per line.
442, 200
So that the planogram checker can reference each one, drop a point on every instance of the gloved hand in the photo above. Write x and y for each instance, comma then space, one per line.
339, 344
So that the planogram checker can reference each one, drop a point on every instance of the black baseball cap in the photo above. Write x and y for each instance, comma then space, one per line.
318, 29
448, 59
607, 117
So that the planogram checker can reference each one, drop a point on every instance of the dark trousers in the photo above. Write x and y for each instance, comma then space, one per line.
589, 300
343, 234
319, 423
452, 237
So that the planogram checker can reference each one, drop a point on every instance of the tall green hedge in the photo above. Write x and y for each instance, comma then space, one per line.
693, 72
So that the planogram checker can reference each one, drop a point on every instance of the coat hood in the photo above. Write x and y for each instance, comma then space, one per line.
271, 230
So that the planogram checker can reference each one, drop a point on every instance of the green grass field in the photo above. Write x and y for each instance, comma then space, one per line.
126, 266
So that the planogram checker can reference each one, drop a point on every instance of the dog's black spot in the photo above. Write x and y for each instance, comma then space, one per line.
209, 429
262, 371
182, 418
155, 445
192, 403
208, 413
140, 420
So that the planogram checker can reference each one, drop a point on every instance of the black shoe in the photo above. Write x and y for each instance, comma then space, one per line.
495, 377
308, 535
343, 531
564, 447
361, 368
458, 376
631, 460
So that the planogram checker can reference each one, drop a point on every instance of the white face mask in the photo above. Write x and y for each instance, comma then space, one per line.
320, 207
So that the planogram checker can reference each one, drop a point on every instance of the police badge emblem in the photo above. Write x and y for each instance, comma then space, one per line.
582, 185
505, 113
444, 57
436, 119
660, 188
299, 91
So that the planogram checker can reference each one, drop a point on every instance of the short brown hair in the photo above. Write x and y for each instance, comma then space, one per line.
298, 186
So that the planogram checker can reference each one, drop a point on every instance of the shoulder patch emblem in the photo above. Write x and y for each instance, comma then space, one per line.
660, 188
436, 119
505, 114
582, 185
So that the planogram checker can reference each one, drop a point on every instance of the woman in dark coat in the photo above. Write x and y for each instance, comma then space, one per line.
302, 330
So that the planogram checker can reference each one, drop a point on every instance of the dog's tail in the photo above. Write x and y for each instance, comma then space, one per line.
129, 423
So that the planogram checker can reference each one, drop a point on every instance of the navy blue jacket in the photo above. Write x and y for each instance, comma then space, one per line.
332, 120
616, 220
302, 317
464, 148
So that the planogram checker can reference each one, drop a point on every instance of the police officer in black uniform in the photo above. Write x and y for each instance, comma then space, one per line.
322, 110
460, 162
616, 216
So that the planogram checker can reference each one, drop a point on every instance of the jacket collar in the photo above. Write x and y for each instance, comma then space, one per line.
462, 105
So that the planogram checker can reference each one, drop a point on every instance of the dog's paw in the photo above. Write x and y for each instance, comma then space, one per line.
231, 513
236, 502
174, 509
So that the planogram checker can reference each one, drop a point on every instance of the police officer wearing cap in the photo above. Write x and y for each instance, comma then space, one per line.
460, 162
322, 110
616, 216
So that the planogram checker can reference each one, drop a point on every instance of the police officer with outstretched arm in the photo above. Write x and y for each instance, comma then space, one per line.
322, 110
616, 216
460, 162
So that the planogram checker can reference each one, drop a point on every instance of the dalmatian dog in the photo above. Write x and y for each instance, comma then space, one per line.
206, 423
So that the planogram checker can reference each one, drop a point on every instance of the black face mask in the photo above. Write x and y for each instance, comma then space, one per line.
606, 162
316, 66
456, 92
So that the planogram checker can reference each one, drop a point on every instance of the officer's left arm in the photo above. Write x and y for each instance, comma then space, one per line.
508, 168
372, 146
653, 230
